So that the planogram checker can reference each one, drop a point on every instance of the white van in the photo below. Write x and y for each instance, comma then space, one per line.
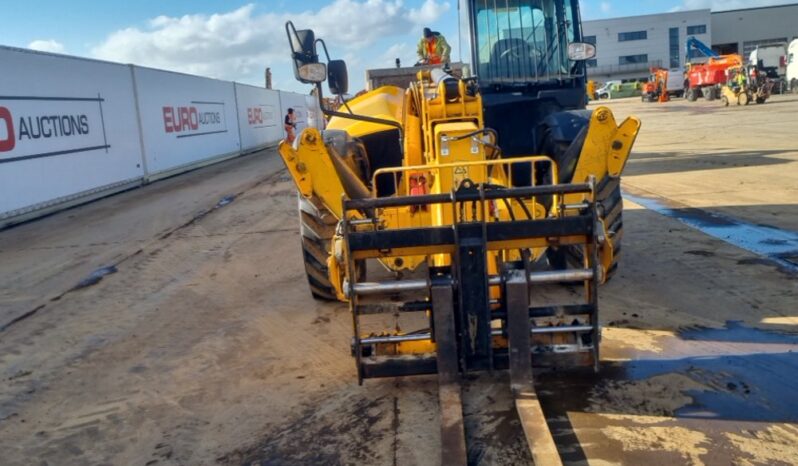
676, 82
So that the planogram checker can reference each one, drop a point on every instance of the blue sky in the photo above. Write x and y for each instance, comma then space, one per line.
236, 40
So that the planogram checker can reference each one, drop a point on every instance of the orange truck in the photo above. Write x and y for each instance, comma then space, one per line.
707, 79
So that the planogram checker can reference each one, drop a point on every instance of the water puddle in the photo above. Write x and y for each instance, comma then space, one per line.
732, 373
779, 246
95, 277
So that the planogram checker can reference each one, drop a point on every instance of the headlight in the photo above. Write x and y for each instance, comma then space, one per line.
579, 51
313, 72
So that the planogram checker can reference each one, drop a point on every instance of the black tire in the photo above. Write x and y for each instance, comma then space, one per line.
608, 196
692, 95
760, 100
794, 86
709, 94
317, 227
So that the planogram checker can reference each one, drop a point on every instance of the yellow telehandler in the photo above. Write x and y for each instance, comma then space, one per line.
471, 193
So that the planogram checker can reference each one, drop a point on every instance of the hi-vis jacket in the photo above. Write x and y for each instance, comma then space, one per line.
436, 52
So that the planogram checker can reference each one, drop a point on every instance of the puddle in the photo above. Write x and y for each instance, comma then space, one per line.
95, 277
225, 200
736, 332
732, 373
780, 246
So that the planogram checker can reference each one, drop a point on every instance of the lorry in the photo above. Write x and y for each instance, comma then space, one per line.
769, 59
439, 211
706, 79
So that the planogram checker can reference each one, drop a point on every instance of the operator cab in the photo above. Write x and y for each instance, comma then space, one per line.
530, 65
516, 42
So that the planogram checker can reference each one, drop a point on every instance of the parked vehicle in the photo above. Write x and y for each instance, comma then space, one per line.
770, 59
619, 90
604, 91
792, 66
672, 81
706, 79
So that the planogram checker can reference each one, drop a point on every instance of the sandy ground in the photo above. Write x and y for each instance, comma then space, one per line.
198, 343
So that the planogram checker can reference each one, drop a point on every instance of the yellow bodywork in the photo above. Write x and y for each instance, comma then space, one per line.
443, 146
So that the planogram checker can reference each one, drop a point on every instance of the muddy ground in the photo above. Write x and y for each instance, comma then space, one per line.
172, 324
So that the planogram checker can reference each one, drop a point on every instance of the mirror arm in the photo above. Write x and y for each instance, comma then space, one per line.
289, 28
327, 54
324, 46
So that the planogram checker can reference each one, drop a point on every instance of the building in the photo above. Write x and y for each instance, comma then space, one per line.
628, 47
741, 31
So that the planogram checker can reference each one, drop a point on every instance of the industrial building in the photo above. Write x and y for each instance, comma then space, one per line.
628, 47
741, 31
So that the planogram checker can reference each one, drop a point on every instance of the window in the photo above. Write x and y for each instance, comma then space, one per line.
592, 63
636, 35
589, 39
523, 40
673, 34
633, 59
700, 29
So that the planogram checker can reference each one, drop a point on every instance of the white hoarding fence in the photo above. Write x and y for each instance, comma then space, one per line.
259, 119
72, 129
64, 138
186, 121
299, 104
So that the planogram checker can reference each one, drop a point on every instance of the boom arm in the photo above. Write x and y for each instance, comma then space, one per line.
693, 43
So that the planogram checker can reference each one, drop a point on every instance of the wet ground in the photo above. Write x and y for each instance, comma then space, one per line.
682, 398
173, 325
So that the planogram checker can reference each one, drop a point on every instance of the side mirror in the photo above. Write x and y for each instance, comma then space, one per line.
580, 51
338, 77
303, 53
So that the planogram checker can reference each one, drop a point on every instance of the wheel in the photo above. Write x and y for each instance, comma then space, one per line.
709, 94
692, 94
608, 197
760, 100
317, 227
794, 86
724, 100
743, 99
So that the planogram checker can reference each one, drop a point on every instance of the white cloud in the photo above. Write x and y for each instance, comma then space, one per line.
49, 45
721, 5
401, 50
239, 44
429, 12
606, 7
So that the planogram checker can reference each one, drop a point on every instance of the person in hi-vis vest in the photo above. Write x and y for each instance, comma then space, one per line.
433, 48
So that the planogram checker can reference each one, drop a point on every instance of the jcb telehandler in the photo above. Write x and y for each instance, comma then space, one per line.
472, 193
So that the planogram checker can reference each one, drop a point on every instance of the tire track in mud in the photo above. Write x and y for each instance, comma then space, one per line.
98, 274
